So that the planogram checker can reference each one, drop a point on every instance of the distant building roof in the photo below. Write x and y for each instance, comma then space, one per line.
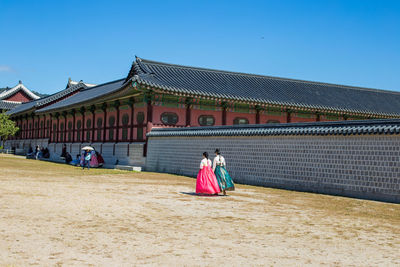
7, 92
261, 89
7, 105
87, 94
24, 107
72, 83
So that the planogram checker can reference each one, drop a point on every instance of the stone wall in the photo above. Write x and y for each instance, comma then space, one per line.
126, 153
356, 165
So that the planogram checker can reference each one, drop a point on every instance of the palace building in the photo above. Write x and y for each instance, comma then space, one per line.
115, 116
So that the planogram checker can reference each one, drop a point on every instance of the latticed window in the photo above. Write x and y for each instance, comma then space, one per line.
99, 126
206, 120
140, 117
62, 132
42, 129
69, 131
111, 123
140, 133
78, 132
88, 126
48, 128
35, 130
169, 118
125, 121
239, 121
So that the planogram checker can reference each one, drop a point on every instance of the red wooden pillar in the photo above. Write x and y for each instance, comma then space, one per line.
33, 127
73, 125
149, 120
149, 115
51, 128
258, 110
117, 105
224, 108
58, 126
65, 126
188, 112
38, 127
288, 116
93, 110
104, 108
26, 127
132, 105
318, 118
83, 124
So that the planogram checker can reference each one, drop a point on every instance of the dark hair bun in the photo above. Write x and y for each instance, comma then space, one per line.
217, 151
205, 154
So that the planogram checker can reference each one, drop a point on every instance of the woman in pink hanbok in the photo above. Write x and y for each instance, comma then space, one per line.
93, 160
206, 183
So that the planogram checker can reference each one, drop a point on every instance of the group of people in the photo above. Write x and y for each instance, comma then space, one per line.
87, 158
38, 153
213, 178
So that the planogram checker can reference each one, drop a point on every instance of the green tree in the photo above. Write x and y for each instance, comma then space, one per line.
7, 127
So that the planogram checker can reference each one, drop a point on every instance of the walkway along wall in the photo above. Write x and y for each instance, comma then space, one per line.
125, 153
353, 158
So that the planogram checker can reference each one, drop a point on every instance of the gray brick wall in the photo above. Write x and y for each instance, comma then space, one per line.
363, 166
132, 156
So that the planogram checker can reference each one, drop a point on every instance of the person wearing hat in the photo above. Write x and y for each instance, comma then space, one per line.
86, 159
225, 181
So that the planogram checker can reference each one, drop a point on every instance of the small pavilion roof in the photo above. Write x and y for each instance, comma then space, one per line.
6, 92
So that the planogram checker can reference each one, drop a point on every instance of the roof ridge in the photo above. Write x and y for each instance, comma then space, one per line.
271, 77
9, 101
102, 84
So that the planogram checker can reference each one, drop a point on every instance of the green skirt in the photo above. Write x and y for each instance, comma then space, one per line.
225, 181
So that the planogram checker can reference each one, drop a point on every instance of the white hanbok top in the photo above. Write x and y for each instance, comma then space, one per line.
218, 161
205, 162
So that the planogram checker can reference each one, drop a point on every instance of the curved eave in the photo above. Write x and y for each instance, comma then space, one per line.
389, 127
255, 101
122, 92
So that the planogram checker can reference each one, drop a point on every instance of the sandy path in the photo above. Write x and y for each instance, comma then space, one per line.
50, 215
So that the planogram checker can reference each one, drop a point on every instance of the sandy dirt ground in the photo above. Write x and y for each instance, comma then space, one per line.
58, 215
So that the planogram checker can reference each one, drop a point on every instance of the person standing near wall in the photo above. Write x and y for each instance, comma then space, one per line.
86, 159
206, 183
37, 152
225, 181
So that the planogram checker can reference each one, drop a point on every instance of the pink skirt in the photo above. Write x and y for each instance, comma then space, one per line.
93, 161
206, 182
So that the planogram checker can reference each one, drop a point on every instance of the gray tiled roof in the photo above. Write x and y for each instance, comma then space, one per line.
85, 95
46, 100
7, 105
264, 89
391, 126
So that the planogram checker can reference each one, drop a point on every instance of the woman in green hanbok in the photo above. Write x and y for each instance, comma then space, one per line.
225, 181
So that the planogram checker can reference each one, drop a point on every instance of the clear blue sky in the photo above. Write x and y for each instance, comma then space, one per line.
349, 42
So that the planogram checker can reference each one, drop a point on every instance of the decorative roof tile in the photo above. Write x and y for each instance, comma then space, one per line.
19, 87
7, 105
85, 95
24, 107
264, 89
388, 126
